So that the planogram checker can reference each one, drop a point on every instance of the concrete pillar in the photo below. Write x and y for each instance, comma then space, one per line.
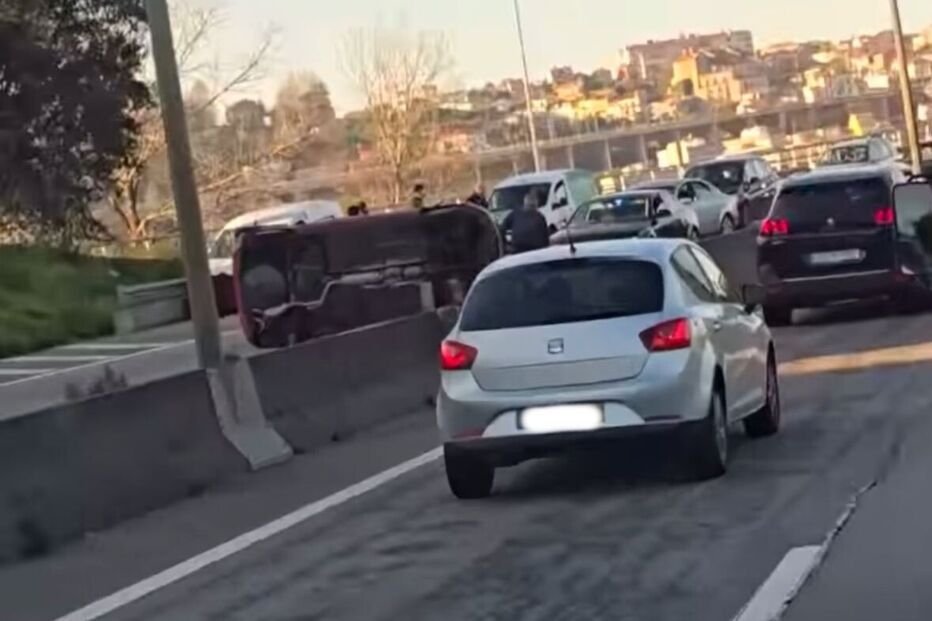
784, 123
813, 117
642, 150
885, 109
514, 166
570, 156
608, 156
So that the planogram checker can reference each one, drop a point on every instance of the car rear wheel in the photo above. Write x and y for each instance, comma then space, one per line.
778, 315
766, 421
728, 225
709, 450
469, 477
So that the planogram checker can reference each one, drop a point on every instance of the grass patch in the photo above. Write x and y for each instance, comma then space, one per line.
48, 297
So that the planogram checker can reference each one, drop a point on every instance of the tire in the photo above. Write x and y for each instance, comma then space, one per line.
709, 442
728, 225
469, 477
766, 421
778, 315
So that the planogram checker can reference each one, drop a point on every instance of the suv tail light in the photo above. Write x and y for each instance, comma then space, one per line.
884, 216
772, 227
668, 336
455, 356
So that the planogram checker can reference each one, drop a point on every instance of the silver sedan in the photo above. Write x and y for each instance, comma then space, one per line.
570, 346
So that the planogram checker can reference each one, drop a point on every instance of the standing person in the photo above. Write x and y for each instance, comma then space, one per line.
478, 196
529, 230
418, 196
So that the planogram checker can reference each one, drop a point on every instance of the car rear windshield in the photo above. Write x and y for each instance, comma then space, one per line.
564, 291
849, 202
726, 176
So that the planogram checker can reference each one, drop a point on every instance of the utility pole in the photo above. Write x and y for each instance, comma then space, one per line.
187, 205
527, 90
909, 110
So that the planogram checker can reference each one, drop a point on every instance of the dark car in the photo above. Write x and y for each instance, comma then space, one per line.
830, 236
867, 150
749, 178
636, 213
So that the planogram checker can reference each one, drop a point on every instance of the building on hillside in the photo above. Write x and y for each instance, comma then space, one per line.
721, 75
757, 138
560, 75
653, 61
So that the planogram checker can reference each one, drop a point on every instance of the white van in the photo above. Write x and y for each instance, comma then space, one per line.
291, 214
559, 193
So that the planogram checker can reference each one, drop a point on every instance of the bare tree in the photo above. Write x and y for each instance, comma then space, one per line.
397, 74
213, 79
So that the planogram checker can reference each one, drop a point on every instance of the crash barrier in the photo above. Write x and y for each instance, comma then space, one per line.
140, 307
325, 390
88, 465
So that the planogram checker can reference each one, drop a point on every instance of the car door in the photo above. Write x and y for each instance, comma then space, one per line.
745, 334
706, 308
559, 206
708, 209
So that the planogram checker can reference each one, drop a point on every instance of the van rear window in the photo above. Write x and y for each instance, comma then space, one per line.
565, 291
846, 202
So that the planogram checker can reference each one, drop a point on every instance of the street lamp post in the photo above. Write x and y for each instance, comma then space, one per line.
527, 90
909, 109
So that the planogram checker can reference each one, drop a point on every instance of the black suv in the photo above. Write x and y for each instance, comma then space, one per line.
747, 177
830, 236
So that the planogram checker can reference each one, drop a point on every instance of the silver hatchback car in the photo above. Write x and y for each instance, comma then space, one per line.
570, 346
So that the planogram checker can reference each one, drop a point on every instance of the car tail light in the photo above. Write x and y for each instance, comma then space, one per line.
668, 336
884, 216
456, 356
771, 227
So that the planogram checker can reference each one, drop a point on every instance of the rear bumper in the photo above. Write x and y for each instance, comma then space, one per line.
821, 290
506, 451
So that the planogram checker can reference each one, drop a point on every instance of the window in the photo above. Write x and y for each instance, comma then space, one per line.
613, 209
879, 151
686, 193
715, 274
582, 188
766, 172
702, 191
560, 196
565, 291
688, 269
511, 198
726, 176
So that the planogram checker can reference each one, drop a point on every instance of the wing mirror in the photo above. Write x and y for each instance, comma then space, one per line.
752, 296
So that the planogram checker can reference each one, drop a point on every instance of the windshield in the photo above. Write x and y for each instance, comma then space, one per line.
849, 154
573, 290
613, 209
512, 197
726, 176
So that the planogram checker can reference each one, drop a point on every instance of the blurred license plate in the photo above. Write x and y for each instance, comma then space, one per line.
556, 418
836, 257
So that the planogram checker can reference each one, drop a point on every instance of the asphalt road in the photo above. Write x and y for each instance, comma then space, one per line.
616, 535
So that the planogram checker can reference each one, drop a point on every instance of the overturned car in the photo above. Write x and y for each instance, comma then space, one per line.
295, 283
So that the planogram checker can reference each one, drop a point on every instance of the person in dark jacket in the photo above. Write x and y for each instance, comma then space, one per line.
478, 197
528, 227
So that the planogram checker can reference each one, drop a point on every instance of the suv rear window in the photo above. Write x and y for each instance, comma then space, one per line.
565, 291
850, 203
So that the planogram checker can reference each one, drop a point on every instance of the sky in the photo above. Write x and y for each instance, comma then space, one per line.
583, 33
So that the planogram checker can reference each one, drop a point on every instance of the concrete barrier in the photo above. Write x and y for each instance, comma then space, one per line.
84, 466
151, 305
327, 389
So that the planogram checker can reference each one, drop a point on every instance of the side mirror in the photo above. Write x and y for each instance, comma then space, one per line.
752, 296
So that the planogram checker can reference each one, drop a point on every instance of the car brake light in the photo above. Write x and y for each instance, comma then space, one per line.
771, 227
668, 336
456, 356
884, 216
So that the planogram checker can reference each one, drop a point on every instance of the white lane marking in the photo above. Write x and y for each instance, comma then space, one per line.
781, 587
21, 372
77, 358
112, 346
191, 566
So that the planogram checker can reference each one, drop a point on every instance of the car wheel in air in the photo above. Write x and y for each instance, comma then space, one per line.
728, 225
469, 477
766, 421
778, 315
709, 450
